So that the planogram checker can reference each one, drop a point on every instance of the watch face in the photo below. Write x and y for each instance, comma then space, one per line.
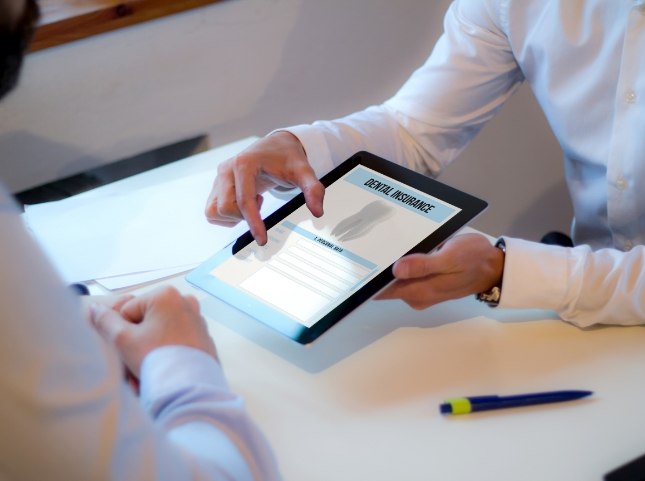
491, 297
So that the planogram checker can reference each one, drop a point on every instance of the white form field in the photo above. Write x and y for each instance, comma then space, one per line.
305, 278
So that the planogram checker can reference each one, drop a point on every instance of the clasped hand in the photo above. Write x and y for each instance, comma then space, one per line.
135, 326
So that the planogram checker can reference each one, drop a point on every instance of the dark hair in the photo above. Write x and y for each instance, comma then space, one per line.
14, 40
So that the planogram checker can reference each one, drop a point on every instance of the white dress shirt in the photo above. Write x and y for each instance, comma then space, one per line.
66, 412
584, 62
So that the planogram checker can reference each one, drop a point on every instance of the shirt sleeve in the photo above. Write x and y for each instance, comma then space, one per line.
469, 75
66, 412
184, 390
584, 287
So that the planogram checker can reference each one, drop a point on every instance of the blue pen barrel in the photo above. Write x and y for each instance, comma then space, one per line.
485, 403
467, 405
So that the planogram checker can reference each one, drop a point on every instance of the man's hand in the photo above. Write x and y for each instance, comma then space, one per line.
276, 160
467, 264
163, 317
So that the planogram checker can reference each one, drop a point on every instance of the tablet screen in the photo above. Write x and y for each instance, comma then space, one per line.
311, 266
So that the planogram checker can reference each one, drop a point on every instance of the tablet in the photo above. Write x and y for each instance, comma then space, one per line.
312, 271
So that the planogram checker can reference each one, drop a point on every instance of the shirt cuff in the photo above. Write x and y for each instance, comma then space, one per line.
535, 275
171, 369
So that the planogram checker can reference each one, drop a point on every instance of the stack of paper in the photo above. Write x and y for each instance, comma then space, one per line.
126, 237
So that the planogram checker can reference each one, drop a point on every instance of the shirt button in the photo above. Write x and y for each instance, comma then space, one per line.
621, 183
630, 96
627, 245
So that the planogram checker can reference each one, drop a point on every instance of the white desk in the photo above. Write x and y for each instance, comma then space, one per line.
362, 402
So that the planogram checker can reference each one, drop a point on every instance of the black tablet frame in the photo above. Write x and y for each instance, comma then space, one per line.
470, 206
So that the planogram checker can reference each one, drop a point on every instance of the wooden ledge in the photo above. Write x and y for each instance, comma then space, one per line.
68, 20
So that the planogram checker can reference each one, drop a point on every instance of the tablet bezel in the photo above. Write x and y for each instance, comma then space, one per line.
469, 205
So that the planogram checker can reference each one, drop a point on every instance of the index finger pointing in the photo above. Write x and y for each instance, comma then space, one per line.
314, 193
246, 195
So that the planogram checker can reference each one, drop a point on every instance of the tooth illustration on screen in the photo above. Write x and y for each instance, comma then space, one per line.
363, 221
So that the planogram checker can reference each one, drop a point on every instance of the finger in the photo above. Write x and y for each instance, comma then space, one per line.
417, 294
111, 301
192, 302
247, 202
416, 266
221, 205
210, 211
107, 322
395, 290
223, 212
313, 191
137, 308
121, 301
224, 222
134, 310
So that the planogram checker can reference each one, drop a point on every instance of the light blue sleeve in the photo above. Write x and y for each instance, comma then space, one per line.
185, 392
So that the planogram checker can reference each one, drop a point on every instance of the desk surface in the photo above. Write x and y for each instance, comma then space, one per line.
362, 402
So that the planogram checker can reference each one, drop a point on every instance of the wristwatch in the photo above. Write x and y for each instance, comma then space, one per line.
492, 296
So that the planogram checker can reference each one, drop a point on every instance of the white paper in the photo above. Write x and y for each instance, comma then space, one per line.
138, 278
152, 228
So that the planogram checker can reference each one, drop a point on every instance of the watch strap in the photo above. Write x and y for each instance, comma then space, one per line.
493, 295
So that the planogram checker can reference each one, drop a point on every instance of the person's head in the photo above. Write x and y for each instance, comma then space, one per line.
17, 23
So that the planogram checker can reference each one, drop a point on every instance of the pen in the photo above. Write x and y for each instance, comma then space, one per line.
80, 289
465, 405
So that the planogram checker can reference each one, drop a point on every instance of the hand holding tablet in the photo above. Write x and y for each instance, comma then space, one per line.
314, 271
